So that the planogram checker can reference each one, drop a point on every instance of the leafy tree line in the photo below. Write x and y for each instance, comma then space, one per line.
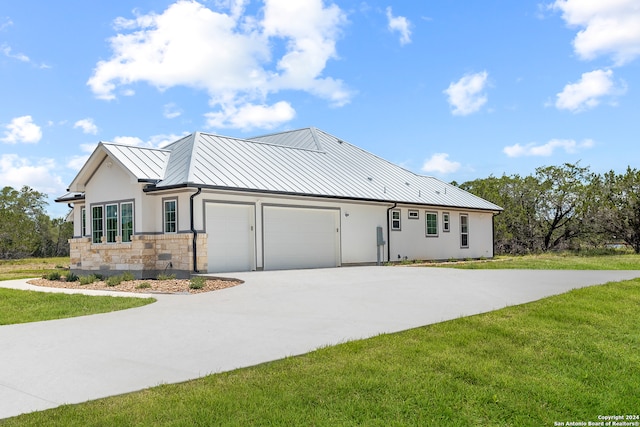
563, 207
26, 230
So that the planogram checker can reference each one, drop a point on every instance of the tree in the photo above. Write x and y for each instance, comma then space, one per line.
620, 206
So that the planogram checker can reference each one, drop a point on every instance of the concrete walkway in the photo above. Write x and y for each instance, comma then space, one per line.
271, 316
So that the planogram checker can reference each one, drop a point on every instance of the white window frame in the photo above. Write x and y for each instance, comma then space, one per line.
413, 214
83, 221
464, 231
109, 232
97, 234
446, 222
165, 222
396, 220
427, 215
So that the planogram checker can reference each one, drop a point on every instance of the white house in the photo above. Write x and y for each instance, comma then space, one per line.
298, 199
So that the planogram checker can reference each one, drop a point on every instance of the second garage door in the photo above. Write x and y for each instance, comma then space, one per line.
300, 237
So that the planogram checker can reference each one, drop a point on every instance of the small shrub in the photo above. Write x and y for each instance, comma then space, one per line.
54, 275
197, 282
143, 285
114, 280
72, 277
164, 276
128, 276
98, 276
87, 280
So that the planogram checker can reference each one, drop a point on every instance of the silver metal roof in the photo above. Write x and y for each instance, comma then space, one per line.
307, 162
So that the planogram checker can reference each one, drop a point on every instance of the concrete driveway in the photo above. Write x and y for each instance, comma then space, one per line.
272, 315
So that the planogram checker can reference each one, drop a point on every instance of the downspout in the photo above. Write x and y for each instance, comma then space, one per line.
395, 204
194, 231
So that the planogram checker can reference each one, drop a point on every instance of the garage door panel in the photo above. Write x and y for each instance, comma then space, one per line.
300, 238
230, 240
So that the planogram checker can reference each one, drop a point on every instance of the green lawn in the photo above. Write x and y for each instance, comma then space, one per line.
28, 268
18, 306
562, 261
570, 357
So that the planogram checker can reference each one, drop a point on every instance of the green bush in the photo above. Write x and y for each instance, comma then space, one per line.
197, 282
87, 280
128, 276
143, 285
114, 280
163, 276
72, 277
54, 275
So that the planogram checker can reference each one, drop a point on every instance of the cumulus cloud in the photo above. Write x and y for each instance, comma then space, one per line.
171, 111
587, 92
87, 126
238, 59
248, 116
546, 150
399, 24
467, 95
440, 163
22, 129
607, 27
16, 171
131, 140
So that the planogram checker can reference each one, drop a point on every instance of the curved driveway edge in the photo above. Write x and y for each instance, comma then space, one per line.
272, 315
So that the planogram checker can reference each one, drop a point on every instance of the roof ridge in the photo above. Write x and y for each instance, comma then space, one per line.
132, 146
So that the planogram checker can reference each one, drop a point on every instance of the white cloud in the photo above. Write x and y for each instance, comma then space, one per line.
17, 172
161, 141
7, 51
467, 95
399, 24
546, 150
233, 56
22, 129
440, 162
5, 23
87, 126
588, 91
248, 116
608, 27
171, 111
130, 140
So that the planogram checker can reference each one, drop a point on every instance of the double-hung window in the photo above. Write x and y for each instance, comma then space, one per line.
431, 222
464, 230
170, 216
446, 222
395, 220
96, 224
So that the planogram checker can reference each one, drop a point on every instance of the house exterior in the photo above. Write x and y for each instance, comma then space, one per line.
299, 199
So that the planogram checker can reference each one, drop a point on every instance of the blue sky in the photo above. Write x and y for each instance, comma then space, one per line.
457, 90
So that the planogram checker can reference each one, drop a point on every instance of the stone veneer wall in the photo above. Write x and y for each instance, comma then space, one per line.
146, 256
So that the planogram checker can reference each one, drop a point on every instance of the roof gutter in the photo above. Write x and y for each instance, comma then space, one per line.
395, 204
194, 231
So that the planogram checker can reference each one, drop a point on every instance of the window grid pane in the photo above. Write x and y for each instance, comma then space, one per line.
432, 223
96, 224
83, 222
170, 216
445, 222
112, 223
464, 231
126, 221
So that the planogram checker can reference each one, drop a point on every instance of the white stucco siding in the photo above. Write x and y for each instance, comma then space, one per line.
412, 242
359, 238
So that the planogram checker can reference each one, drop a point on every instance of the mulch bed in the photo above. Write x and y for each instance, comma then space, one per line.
173, 286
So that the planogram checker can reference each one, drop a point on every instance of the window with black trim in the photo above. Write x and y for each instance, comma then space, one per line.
446, 222
97, 226
464, 230
395, 220
83, 222
431, 223
414, 214
170, 216
126, 221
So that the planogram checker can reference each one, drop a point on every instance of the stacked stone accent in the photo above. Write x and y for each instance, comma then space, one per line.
145, 256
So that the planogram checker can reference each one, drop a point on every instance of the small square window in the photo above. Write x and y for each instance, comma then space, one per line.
414, 214
446, 222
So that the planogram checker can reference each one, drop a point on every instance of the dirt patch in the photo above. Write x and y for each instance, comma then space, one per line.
173, 286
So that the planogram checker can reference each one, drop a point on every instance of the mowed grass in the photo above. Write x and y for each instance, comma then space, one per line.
28, 268
570, 357
551, 261
17, 306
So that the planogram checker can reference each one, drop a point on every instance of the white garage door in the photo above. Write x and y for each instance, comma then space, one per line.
300, 238
230, 237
